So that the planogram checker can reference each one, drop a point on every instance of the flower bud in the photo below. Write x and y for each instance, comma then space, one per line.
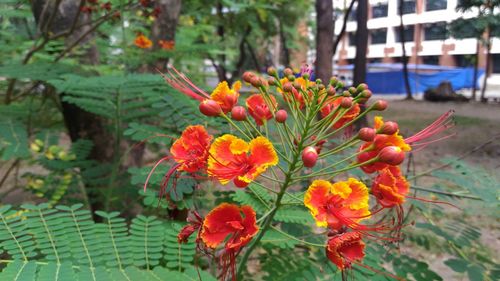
239, 183
331, 91
366, 94
287, 87
318, 81
309, 156
346, 102
340, 84
352, 90
333, 81
321, 86
305, 76
288, 72
247, 76
297, 85
256, 81
271, 81
290, 78
272, 71
361, 87
239, 113
281, 116
210, 108
380, 105
391, 155
389, 128
367, 134
346, 94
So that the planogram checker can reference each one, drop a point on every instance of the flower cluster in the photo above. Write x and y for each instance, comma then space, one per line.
277, 130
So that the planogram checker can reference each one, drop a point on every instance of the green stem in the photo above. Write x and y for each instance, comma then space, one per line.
296, 239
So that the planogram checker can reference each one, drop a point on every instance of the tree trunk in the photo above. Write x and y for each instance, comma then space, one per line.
80, 123
404, 58
286, 51
164, 27
476, 67
359, 75
344, 26
324, 39
487, 68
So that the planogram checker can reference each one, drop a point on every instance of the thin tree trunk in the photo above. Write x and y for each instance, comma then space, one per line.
361, 51
220, 68
476, 67
487, 68
324, 39
344, 26
286, 51
405, 57
164, 27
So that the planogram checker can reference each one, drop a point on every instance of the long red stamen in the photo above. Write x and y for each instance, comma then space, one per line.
376, 270
441, 124
432, 201
152, 170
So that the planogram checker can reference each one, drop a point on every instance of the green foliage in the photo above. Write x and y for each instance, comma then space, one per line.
65, 244
13, 140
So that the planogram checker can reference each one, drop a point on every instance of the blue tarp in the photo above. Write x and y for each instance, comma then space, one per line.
392, 82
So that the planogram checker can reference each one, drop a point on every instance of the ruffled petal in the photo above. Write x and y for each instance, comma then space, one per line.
215, 227
316, 199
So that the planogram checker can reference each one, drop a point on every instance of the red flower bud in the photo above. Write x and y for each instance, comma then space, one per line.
287, 72
366, 94
309, 156
272, 71
185, 232
331, 91
367, 134
256, 82
271, 81
380, 105
239, 113
281, 116
210, 108
346, 102
391, 155
287, 87
389, 128
247, 76
361, 87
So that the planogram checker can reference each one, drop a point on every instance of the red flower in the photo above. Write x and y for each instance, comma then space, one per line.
143, 42
345, 248
339, 204
390, 187
190, 151
225, 97
234, 159
231, 226
335, 105
167, 44
259, 109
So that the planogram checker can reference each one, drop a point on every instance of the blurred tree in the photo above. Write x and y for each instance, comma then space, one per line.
483, 27
359, 75
324, 39
403, 47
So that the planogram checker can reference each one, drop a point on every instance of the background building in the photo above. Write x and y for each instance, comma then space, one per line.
428, 41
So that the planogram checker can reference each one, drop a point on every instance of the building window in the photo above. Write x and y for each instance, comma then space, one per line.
379, 10
378, 36
464, 60
409, 30
433, 5
434, 60
496, 63
352, 38
409, 7
435, 31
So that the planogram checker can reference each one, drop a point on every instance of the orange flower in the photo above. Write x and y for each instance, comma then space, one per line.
234, 159
339, 204
225, 97
190, 151
167, 44
390, 187
330, 106
374, 147
232, 225
344, 249
259, 109
143, 42
296, 93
